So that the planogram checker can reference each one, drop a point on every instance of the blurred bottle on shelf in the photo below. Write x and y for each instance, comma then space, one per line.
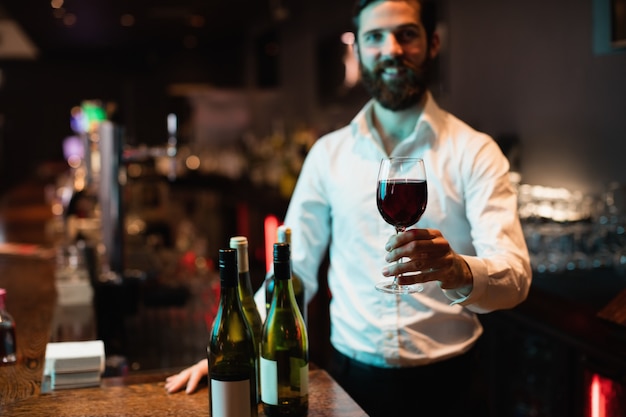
8, 350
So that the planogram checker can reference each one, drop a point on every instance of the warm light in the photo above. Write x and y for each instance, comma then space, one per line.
135, 226
57, 209
80, 183
74, 161
134, 170
192, 162
270, 226
56, 4
347, 38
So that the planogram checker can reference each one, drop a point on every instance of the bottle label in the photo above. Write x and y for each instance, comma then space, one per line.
304, 380
298, 372
230, 398
269, 381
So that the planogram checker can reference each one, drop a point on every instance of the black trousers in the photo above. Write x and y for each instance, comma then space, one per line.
450, 388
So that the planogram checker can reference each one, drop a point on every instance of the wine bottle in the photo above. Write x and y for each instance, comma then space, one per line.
284, 360
8, 352
246, 295
284, 236
240, 243
231, 351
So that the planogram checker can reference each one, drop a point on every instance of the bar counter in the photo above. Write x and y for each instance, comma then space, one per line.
32, 297
27, 273
144, 395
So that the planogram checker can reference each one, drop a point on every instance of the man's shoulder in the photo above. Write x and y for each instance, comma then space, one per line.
339, 133
334, 138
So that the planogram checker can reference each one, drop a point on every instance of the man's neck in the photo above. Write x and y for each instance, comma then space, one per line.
395, 126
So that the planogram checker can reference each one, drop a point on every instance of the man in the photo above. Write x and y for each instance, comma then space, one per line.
408, 354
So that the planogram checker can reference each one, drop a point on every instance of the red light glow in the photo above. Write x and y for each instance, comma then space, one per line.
607, 397
270, 225
596, 397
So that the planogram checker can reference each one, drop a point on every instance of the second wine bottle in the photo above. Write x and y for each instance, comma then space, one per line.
284, 361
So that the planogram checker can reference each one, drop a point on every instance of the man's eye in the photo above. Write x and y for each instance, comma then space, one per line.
407, 35
373, 37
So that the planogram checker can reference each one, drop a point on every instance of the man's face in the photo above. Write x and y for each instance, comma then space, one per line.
394, 54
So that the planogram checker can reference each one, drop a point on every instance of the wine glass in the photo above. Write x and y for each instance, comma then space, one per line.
401, 197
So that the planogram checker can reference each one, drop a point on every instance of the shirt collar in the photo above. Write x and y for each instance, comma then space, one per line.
428, 125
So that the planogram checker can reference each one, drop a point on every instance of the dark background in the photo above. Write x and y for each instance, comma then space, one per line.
531, 71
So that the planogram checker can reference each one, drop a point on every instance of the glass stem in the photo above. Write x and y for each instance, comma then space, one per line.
397, 277
396, 282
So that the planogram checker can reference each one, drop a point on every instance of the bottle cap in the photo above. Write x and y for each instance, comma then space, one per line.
281, 252
283, 234
241, 244
228, 266
236, 241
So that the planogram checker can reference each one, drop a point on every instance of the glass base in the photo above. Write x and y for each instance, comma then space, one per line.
391, 287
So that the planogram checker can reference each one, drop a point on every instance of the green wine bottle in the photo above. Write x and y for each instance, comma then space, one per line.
284, 361
240, 243
283, 235
231, 351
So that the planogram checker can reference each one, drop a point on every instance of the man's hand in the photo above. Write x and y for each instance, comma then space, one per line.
426, 249
189, 377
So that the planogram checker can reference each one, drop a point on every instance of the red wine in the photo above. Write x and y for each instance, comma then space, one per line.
401, 202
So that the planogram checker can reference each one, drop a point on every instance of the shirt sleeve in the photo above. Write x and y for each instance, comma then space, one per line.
501, 266
308, 216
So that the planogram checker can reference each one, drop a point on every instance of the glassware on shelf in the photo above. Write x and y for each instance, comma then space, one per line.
8, 350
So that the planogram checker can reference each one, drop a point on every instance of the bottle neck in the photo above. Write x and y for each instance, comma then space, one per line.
245, 283
229, 295
243, 265
282, 270
283, 290
283, 285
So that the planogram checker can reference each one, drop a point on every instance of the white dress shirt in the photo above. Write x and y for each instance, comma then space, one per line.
470, 199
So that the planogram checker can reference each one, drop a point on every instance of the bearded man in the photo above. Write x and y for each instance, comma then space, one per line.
406, 354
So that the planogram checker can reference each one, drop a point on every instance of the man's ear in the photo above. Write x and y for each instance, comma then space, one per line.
435, 45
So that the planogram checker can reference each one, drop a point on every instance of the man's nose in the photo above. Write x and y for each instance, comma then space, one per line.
391, 47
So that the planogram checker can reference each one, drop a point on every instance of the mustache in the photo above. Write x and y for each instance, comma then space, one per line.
395, 62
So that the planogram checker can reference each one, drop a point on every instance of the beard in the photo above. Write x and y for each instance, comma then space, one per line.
398, 94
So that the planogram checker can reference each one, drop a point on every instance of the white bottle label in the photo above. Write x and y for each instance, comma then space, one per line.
269, 379
304, 380
230, 398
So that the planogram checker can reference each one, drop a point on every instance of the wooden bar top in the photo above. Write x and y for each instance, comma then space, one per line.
144, 396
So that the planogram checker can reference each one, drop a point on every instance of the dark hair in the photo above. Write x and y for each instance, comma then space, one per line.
428, 14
